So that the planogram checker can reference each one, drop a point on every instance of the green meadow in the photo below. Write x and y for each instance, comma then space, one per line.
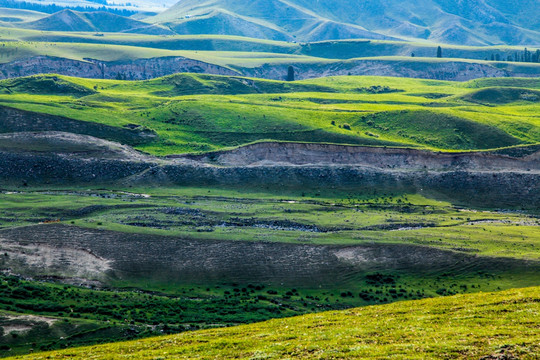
193, 113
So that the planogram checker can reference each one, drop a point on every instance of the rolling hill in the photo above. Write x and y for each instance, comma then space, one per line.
484, 22
8, 17
192, 112
69, 20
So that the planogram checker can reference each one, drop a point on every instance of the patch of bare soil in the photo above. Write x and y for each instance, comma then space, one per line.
76, 253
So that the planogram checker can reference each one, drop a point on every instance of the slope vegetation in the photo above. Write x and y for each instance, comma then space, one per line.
190, 113
488, 326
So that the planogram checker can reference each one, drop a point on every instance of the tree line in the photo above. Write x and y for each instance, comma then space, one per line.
519, 56
53, 8
526, 56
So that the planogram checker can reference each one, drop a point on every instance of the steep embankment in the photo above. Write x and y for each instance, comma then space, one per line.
291, 154
480, 178
449, 69
142, 69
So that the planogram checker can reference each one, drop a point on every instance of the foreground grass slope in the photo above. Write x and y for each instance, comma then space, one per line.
465, 326
191, 113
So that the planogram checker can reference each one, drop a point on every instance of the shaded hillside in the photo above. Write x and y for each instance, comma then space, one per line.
69, 20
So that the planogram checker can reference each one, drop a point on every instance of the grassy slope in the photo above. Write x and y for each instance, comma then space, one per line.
10, 16
148, 44
466, 326
201, 112
79, 51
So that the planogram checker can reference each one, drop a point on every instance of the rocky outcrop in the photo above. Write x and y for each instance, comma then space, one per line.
479, 178
140, 69
437, 70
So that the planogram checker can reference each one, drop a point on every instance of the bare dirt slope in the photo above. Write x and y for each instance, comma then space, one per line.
280, 153
482, 178
73, 253
142, 69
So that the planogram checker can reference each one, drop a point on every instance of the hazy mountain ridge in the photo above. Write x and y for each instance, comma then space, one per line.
464, 22
69, 20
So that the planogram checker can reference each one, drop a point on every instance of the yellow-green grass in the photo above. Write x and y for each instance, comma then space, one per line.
79, 51
193, 113
342, 49
458, 327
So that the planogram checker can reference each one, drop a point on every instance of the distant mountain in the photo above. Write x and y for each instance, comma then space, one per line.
69, 20
465, 22
268, 19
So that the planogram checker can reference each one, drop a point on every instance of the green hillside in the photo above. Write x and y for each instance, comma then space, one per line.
443, 21
343, 49
13, 16
490, 326
202, 112
269, 19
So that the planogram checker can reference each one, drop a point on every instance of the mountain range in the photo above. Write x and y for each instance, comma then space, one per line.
462, 22
465, 22
95, 21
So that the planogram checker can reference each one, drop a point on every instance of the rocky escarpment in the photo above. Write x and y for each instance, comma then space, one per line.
286, 153
479, 178
437, 70
140, 69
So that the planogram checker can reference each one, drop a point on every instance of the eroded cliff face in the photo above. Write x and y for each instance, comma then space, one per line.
140, 69
143, 69
485, 179
284, 153
452, 71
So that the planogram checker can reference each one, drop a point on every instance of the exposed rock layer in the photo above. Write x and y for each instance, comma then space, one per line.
481, 178
142, 69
